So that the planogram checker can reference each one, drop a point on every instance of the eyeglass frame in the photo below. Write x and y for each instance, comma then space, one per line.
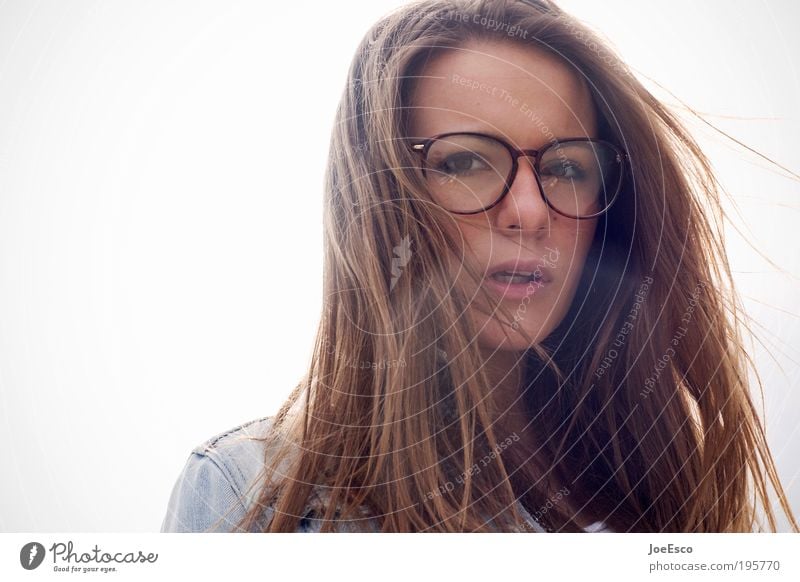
422, 148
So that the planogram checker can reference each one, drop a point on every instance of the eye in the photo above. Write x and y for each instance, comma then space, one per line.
563, 169
461, 163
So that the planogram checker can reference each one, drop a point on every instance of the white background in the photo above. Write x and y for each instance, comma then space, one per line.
160, 221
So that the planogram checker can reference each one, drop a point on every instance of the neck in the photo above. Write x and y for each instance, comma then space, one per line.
506, 372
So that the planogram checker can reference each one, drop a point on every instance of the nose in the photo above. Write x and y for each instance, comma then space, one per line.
523, 206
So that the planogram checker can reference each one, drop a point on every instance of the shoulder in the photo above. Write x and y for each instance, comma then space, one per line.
222, 478
218, 480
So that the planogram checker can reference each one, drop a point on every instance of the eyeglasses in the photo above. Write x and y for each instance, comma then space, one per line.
468, 173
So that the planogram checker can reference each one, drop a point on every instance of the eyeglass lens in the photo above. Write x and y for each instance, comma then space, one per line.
467, 173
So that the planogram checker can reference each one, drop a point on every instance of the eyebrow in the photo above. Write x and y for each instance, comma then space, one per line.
496, 135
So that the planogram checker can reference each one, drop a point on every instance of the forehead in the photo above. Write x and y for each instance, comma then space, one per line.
521, 93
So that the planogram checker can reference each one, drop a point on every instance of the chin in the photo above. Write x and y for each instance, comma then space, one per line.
492, 335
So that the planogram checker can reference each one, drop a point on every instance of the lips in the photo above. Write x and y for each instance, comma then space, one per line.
519, 271
516, 278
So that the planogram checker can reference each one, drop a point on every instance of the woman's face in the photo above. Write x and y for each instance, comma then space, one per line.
528, 98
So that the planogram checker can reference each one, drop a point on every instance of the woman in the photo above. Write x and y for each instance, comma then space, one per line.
529, 322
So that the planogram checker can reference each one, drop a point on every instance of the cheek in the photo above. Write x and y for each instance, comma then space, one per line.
473, 238
576, 242
471, 231
576, 237
586, 238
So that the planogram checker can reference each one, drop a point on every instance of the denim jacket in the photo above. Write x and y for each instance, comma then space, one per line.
218, 484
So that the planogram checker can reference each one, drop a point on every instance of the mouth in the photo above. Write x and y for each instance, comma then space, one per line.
520, 271
517, 279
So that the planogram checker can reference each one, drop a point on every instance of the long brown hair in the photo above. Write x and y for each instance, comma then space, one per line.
639, 399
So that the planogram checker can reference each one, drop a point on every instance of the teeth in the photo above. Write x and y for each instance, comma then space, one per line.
505, 277
521, 273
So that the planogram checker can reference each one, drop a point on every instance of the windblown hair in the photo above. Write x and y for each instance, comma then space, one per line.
640, 398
